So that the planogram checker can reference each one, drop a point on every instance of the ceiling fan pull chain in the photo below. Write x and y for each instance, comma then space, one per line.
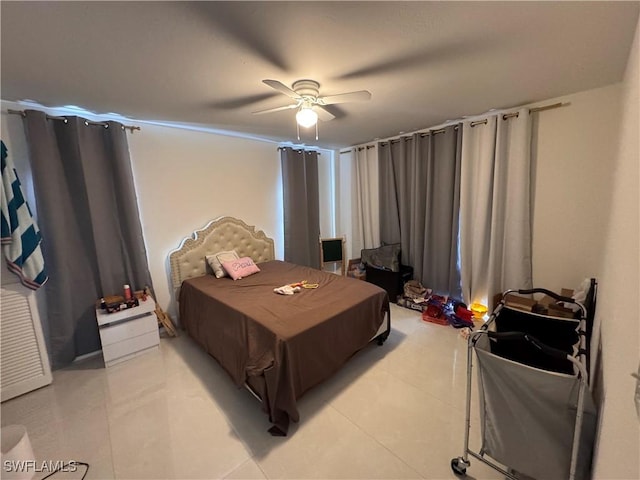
298, 130
316, 130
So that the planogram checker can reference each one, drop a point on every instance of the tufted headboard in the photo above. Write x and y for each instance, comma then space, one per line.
225, 233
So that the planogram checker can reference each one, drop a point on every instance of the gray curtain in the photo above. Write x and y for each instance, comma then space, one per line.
88, 214
419, 205
301, 207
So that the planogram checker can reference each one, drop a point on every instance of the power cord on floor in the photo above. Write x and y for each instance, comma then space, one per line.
62, 468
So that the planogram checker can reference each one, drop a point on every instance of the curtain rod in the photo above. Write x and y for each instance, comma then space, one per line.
359, 149
299, 150
23, 114
484, 121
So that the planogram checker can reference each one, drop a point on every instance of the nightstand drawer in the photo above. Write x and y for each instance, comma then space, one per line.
127, 329
129, 347
146, 306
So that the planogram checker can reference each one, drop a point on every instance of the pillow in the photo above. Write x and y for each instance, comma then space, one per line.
240, 268
387, 257
215, 261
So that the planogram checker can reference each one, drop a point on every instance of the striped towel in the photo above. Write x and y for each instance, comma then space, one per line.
20, 235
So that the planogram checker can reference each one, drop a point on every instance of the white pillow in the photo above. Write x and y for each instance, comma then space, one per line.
215, 262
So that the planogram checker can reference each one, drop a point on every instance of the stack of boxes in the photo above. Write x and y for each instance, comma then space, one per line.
545, 305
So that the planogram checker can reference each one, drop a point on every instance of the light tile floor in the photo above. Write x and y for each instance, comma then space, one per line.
395, 411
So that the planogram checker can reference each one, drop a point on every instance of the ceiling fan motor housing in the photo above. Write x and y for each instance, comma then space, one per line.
307, 88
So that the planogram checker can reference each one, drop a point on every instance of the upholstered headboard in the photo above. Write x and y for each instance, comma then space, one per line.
225, 233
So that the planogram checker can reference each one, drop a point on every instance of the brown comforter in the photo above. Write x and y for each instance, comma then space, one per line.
281, 345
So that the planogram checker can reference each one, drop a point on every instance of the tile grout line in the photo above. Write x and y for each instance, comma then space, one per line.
449, 404
375, 440
251, 458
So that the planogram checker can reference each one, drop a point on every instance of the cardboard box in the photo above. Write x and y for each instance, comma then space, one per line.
408, 303
566, 292
353, 263
521, 303
546, 301
546, 305
555, 310
353, 271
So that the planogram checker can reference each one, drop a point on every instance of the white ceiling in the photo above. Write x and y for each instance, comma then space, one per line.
203, 62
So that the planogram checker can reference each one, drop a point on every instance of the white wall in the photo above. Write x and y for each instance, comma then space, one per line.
573, 155
618, 451
186, 178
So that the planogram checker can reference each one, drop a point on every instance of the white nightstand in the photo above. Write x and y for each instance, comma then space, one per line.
128, 333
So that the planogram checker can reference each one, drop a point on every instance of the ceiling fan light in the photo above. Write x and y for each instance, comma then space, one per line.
306, 117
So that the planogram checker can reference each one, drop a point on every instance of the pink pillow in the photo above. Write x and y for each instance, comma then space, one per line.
240, 268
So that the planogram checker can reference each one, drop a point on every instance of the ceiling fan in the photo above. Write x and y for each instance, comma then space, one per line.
309, 103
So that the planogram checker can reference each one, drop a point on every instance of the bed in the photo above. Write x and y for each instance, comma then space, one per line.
278, 346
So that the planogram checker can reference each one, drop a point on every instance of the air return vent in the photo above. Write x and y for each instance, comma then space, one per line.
25, 364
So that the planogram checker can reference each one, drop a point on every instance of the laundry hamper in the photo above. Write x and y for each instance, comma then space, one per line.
537, 415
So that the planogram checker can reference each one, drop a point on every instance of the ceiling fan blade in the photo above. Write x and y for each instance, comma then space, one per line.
358, 96
235, 21
281, 87
323, 114
239, 102
277, 109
